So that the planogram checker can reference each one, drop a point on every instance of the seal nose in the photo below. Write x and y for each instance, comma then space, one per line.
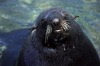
56, 21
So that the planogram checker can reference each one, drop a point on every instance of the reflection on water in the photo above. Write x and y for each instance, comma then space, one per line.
17, 14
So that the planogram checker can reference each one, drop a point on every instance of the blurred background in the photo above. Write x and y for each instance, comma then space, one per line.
19, 14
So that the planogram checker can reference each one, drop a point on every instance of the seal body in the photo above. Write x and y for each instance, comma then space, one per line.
57, 41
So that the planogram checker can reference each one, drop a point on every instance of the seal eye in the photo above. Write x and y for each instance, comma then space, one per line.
65, 17
43, 20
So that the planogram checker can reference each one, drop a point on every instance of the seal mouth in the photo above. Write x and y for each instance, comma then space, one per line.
62, 28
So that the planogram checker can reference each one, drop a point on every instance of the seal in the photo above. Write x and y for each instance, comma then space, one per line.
57, 40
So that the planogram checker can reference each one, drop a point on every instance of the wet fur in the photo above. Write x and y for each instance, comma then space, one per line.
36, 53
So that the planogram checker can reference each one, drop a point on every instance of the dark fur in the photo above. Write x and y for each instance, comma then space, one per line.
13, 41
37, 53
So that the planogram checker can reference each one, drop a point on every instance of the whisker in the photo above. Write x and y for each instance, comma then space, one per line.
65, 25
48, 31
